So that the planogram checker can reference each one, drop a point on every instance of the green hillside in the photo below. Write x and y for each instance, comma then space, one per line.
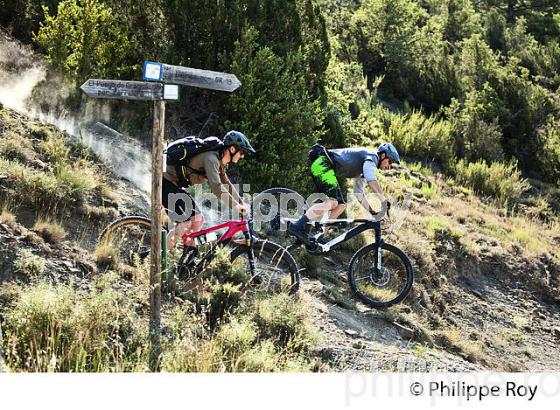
468, 91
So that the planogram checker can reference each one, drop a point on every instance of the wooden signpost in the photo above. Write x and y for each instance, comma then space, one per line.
3, 366
155, 90
192, 77
123, 90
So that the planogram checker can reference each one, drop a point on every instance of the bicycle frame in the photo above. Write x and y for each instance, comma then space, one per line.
234, 227
365, 225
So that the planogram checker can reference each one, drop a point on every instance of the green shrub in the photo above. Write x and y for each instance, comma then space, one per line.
549, 157
80, 179
476, 130
280, 121
421, 137
237, 345
56, 149
30, 187
221, 288
46, 190
502, 181
283, 321
222, 270
224, 297
85, 39
438, 226
29, 265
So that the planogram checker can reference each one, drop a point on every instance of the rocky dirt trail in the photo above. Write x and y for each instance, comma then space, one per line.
354, 341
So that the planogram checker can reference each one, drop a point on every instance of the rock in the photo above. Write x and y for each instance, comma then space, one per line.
39, 164
351, 333
405, 332
87, 266
556, 332
477, 294
359, 345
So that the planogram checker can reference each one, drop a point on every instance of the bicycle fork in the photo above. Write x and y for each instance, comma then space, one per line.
376, 272
250, 251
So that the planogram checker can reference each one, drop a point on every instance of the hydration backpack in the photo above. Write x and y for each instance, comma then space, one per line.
180, 152
184, 149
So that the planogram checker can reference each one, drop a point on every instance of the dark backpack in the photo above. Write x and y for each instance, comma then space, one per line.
181, 151
184, 149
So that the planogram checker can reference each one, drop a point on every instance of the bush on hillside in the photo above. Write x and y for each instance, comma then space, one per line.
421, 137
500, 180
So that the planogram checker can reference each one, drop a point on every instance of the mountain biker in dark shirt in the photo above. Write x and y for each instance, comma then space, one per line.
327, 166
207, 166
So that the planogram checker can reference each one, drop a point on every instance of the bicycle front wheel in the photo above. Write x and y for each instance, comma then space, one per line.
382, 287
276, 270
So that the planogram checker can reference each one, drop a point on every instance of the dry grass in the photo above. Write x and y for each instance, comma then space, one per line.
15, 147
455, 340
437, 225
50, 230
6, 216
379, 294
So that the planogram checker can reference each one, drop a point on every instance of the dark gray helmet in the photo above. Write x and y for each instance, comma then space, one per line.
391, 152
239, 140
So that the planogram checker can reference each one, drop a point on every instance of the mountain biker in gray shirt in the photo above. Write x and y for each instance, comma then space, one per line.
327, 166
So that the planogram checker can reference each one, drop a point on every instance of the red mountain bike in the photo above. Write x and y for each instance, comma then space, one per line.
272, 268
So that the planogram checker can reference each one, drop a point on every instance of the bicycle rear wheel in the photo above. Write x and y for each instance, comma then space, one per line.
129, 237
385, 287
276, 269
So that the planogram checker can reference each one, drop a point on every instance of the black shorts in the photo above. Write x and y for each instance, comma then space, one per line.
323, 172
183, 205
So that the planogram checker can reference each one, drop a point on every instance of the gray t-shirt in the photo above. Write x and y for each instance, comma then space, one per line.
350, 161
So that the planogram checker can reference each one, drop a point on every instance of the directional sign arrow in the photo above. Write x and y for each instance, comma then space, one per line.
127, 90
193, 77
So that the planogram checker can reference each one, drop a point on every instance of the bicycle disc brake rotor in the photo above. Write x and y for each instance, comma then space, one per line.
381, 278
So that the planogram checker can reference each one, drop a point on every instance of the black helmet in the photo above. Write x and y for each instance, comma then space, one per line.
239, 140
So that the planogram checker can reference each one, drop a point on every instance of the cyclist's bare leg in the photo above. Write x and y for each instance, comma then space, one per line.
196, 224
192, 225
332, 207
335, 213
318, 210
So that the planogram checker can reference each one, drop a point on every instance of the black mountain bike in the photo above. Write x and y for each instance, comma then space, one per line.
379, 274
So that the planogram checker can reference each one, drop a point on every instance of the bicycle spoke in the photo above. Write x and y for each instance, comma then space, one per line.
275, 268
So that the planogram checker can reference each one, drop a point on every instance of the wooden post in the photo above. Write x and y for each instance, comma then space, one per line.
3, 366
155, 270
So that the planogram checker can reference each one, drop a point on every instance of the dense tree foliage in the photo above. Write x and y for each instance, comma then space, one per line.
446, 80
85, 39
